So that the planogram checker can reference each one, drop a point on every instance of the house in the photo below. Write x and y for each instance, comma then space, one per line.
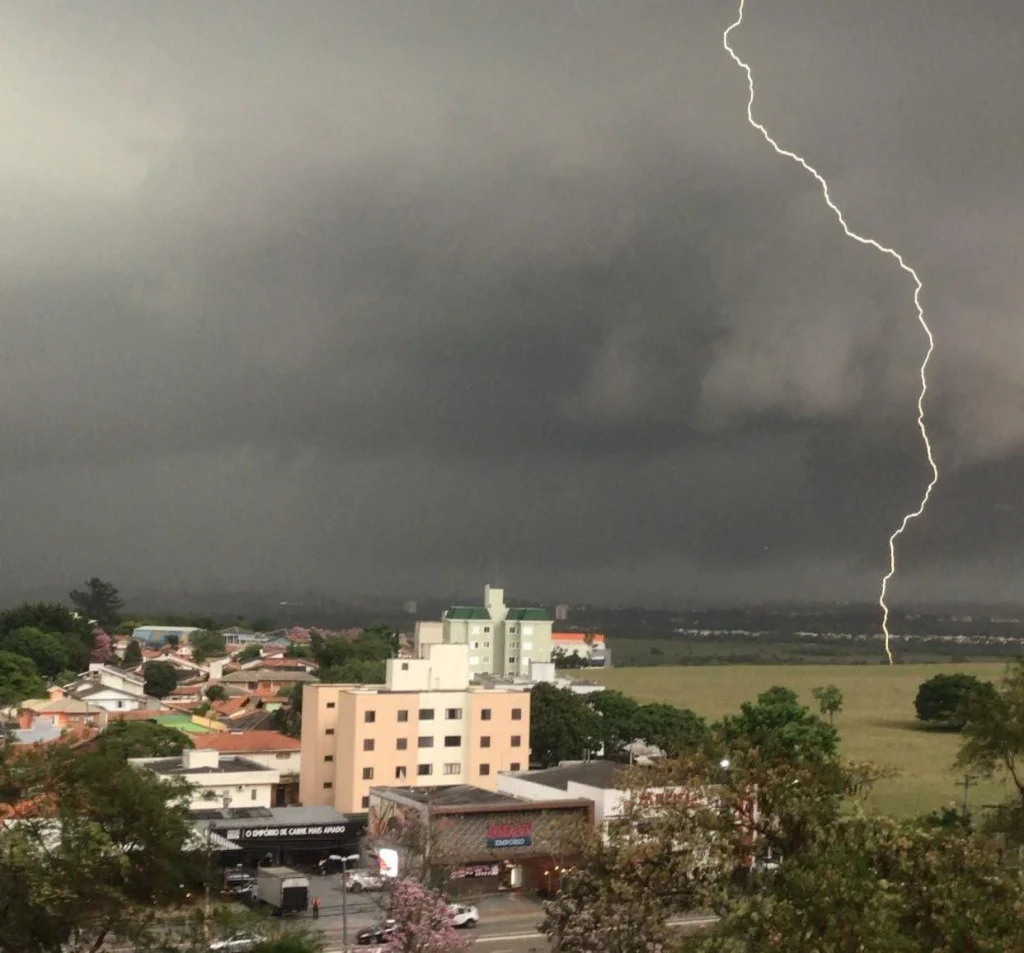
231, 780
62, 710
111, 689
280, 663
589, 646
270, 682
270, 748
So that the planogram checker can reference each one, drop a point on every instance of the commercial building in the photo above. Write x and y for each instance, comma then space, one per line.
234, 781
481, 840
589, 646
159, 634
501, 641
427, 725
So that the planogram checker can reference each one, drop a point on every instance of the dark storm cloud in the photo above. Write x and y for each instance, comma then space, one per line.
387, 295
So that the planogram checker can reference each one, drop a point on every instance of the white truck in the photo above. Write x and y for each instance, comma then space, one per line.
282, 888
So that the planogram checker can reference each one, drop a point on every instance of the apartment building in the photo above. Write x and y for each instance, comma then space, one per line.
426, 726
501, 641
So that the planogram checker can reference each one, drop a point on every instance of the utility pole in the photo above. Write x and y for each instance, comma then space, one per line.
968, 780
344, 902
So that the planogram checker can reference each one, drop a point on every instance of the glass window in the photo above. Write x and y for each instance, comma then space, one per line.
402, 744
328, 785
453, 768
367, 774
328, 757
485, 741
366, 802
453, 714
403, 715
517, 714
485, 714
426, 741
426, 714
331, 704
424, 769
514, 766
252, 796
369, 717
329, 731
400, 773
453, 741
485, 769
516, 741
367, 744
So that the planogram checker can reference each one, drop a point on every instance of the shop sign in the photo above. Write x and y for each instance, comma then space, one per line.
266, 833
509, 835
476, 870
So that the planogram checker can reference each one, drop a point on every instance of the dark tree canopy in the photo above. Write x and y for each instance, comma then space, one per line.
142, 739
19, 679
161, 678
132, 654
49, 652
206, 645
99, 602
943, 699
563, 727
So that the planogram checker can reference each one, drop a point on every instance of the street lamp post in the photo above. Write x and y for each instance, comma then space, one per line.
344, 903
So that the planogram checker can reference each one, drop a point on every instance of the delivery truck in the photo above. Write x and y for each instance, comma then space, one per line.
282, 888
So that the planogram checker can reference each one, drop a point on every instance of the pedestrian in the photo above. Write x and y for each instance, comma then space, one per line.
316, 908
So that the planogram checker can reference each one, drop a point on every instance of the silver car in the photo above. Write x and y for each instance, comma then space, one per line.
238, 943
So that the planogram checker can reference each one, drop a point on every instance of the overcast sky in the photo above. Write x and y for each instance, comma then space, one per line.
395, 297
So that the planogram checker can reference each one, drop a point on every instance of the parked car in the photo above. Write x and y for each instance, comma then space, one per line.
464, 915
376, 935
358, 880
238, 943
238, 883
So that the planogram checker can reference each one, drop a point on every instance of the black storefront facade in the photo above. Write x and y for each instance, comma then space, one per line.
286, 836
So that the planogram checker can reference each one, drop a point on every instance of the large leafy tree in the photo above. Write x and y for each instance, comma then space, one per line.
674, 730
19, 679
142, 739
563, 727
161, 678
48, 651
75, 635
829, 699
132, 654
617, 720
99, 602
107, 855
943, 700
206, 644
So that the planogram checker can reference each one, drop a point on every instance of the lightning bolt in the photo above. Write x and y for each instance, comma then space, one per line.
898, 258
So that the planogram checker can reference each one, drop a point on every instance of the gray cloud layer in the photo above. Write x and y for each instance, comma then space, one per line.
380, 295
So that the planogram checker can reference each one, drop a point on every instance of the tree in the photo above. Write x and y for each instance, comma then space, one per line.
19, 679
216, 693
206, 645
161, 678
142, 739
45, 616
423, 922
942, 700
830, 700
563, 727
288, 718
617, 714
101, 650
297, 650
780, 729
48, 652
674, 730
249, 654
99, 602
109, 854
132, 654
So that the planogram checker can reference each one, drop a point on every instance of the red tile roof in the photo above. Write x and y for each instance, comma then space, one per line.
247, 742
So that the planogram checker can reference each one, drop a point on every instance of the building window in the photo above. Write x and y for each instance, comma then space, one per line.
487, 645
328, 785
511, 660
401, 744
252, 795
485, 741
400, 773
367, 744
328, 757
516, 741
485, 714
476, 645
453, 768
426, 741
426, 714
367, 774
485, 769
453, 741
512, 629
330, 731
332, 704
517, 714
405, 666
424, 769
282, 756
514, 766
369, 717
403, 715
453, 714
487, 628
366, 801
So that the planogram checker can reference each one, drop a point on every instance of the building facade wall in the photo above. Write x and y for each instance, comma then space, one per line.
499, 732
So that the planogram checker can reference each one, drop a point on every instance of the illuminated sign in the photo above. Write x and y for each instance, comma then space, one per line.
509, 835
321, 830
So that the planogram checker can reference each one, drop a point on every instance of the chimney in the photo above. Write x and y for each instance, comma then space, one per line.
56, 693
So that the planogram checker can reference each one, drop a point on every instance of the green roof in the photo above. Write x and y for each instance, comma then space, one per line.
528, 615
468, 612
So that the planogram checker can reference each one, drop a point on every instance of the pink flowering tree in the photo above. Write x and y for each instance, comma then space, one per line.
101, 647
422, 920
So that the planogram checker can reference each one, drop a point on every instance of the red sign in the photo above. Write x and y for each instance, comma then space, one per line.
503, 831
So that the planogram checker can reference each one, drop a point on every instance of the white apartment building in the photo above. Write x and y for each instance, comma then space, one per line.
228, 781
426, 726
500, 640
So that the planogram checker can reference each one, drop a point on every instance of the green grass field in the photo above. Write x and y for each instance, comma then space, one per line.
877, 722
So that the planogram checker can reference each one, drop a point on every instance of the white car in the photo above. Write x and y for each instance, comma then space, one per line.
238, 943
358, 880
463, 915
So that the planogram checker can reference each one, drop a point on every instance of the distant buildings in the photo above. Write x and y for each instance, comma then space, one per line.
500, 640
426, 726
586, 645
561, 612
229, 780
158, 634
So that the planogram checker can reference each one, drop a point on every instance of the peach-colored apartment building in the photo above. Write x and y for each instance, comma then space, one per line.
426, 726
